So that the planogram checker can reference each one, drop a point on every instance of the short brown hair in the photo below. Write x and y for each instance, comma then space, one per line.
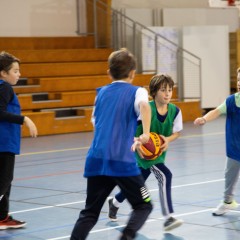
120, 63
158, 81
6, 61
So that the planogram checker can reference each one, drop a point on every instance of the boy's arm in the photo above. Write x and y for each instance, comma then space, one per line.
173, 137
213, 114
169, 139
145, 112
6, 94
177, 127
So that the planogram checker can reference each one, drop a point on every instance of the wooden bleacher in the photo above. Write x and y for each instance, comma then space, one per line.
234, 56
59, 79
45, 43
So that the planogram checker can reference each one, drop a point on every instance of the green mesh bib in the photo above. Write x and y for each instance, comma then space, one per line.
162, 128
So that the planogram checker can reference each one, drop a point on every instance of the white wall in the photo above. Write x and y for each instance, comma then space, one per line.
38, 18
137, 15
159, 3
211, 44
186, 17
59, 17
201, 16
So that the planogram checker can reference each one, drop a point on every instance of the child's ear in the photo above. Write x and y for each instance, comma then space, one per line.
109, 74
132, 74
3, 73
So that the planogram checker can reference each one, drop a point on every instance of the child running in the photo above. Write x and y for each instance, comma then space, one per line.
231, 108
166, 121
110, 161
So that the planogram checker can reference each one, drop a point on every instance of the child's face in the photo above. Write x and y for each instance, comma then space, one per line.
164, 95
238, 82
12, 75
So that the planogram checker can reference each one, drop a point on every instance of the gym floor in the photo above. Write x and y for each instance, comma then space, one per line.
49, 189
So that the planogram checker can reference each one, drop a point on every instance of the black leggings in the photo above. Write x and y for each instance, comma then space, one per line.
98, 189
7, 162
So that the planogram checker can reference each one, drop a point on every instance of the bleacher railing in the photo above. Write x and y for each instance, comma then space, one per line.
155, 53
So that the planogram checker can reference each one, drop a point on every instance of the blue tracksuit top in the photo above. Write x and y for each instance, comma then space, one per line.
233, 129
10, 133
115, 126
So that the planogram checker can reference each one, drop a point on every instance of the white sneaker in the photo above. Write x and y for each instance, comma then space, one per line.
223, 207
172, 223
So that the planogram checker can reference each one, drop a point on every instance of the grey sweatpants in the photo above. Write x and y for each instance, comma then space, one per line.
231, 178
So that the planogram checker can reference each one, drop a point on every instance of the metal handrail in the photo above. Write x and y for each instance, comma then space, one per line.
119, 21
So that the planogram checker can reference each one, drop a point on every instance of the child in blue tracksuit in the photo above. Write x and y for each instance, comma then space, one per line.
231, 108
10, 134
110, 161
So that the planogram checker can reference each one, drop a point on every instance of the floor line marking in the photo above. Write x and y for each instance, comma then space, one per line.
87, 147
53, 151
46, 207
83, 201
202, 135
148, 221
48, 175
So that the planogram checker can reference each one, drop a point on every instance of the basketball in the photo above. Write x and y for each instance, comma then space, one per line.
152, 149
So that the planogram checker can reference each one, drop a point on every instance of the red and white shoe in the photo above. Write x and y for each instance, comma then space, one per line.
9, 222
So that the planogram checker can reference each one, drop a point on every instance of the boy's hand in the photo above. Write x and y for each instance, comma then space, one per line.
138, 141
136, 144
144, 138
164, 145
200, 121
137, 147
31, 126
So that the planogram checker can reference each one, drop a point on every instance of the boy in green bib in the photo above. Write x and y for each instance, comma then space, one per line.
167, 121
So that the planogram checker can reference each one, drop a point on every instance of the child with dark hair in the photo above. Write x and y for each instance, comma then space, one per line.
110, 161
10, 132
166, 121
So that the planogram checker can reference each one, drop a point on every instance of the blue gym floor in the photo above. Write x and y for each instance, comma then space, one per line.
49, 189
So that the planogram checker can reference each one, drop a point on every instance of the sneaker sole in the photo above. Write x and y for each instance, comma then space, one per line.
220, 214
113, 219
13, 227
217, 215
226, 210
177, 224
110, 218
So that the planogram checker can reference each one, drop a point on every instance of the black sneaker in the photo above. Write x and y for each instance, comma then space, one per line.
112, 212
172, 223
124, 237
